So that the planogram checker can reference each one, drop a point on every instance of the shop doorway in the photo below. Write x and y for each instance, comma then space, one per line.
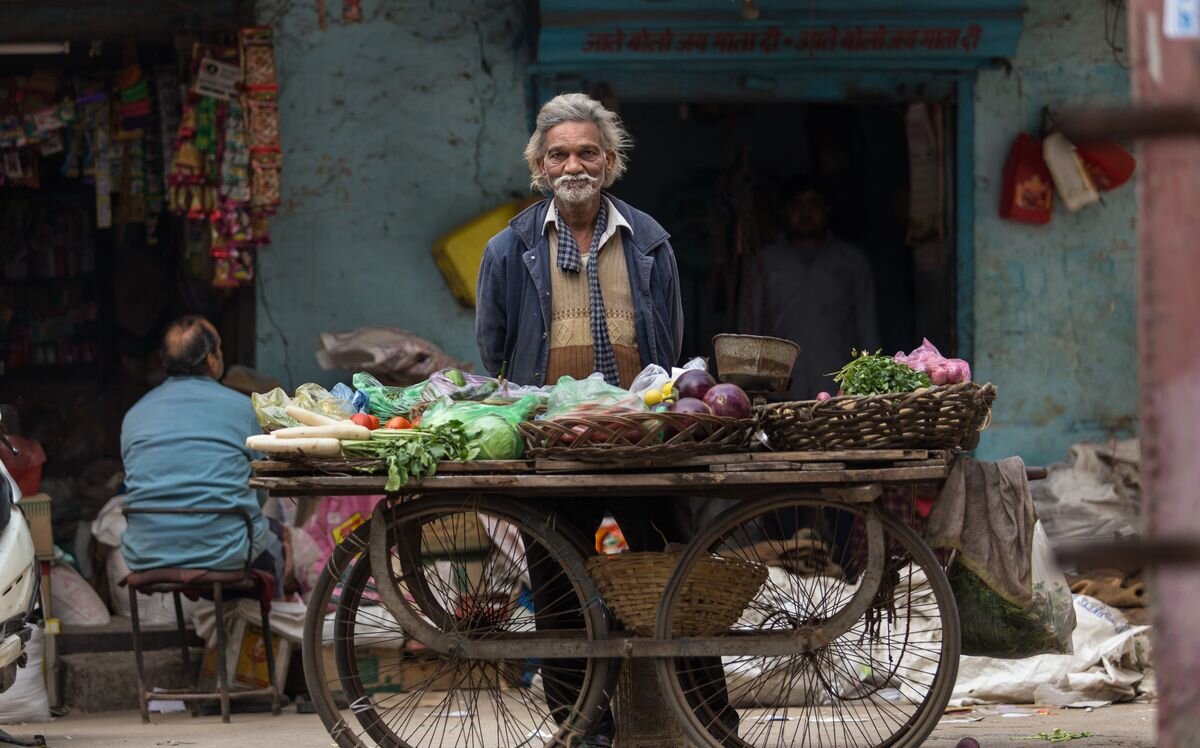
712, 172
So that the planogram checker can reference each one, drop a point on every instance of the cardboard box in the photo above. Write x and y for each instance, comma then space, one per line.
454, 535
246, 659
392, 669
433, 673
36, 509
379, 669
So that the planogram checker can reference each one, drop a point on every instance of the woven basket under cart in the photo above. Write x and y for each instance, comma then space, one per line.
940, 417
712, 601
607, 437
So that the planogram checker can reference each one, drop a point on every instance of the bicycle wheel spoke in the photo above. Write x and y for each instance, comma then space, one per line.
468, 587
882, 682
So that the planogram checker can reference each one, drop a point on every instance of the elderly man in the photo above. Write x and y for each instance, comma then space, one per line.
582, 283
183, 445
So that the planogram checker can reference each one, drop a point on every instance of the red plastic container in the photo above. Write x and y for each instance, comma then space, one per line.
26, 467
1027, 194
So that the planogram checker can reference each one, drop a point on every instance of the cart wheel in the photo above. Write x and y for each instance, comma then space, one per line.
400, 694
872, 614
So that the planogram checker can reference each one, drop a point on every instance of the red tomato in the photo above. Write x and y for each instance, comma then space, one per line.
365, 419
399, 422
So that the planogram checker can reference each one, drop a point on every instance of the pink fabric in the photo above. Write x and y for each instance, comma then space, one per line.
333, 512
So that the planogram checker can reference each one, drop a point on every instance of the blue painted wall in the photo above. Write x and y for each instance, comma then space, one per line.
395, 130
399, 128
1054, 305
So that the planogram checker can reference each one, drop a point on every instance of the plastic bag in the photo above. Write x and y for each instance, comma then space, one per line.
269, 408
653, 377
995, 627
358, 400
941, 370
388, 402
26, 699
316, 398
491, 429
75, 602
458, 385
393, 355
575, 397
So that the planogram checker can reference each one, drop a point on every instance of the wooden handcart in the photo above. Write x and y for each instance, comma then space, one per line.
420, 632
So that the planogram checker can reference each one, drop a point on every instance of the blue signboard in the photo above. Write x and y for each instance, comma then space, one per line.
800, 34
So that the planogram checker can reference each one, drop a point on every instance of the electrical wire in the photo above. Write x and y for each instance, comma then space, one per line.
1113, 11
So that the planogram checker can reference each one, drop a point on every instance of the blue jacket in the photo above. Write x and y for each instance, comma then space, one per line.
512, 301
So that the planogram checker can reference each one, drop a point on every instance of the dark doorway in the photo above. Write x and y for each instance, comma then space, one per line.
711, 174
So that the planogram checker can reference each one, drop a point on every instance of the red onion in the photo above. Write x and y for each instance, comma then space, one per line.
728, 400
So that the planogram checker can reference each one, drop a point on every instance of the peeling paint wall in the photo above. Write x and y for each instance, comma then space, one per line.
1055, 304
395, 130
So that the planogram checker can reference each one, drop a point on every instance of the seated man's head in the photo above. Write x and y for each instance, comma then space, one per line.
191, 347
578, 148
804, 210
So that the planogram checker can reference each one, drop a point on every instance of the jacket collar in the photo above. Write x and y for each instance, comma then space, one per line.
642, 233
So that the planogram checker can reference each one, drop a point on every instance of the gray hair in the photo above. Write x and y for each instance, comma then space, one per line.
577, 107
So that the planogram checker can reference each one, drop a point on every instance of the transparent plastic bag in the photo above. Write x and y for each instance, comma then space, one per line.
491, 429
653, 377
358, 400
995, 627
388, 402
458, 385
316, 398
269, 408
575, 397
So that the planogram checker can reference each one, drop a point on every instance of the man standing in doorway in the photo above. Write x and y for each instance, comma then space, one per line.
812, 288
582, 283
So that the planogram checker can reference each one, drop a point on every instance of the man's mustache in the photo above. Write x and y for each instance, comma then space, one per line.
573, 179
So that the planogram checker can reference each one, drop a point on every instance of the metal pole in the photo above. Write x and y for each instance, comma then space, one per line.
1166, 73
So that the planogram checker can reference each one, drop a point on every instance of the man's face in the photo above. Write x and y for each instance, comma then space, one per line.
575, 164
805, 215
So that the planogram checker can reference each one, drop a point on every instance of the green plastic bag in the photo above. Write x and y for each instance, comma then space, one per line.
492, 431
388, 402
578, 397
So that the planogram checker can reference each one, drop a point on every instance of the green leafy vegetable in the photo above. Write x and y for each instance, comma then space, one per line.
873, 374
413, 454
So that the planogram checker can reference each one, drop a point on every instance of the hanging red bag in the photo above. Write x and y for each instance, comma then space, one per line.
1027, 192
1108, 165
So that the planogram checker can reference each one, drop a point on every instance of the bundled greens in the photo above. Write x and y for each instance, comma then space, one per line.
412, 454
873, 374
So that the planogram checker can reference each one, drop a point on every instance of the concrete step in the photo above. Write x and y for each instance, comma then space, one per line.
107, 681
117, 636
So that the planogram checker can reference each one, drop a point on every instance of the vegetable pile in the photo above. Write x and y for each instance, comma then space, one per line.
873, 374
941, 370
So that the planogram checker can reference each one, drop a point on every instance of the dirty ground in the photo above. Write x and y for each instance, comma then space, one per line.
1128, 725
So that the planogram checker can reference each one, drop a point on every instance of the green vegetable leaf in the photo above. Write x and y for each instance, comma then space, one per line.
875, 374
412, 454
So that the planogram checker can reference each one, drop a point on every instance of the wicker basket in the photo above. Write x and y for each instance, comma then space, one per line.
713, 599
943, 417
620, 436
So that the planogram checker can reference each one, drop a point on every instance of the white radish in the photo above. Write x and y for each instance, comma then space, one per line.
343, 430
295, 447
309, 418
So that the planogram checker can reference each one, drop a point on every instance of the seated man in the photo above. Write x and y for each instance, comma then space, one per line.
183, 445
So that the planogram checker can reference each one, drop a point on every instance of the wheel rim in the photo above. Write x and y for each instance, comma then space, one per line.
445, 701
884, 681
